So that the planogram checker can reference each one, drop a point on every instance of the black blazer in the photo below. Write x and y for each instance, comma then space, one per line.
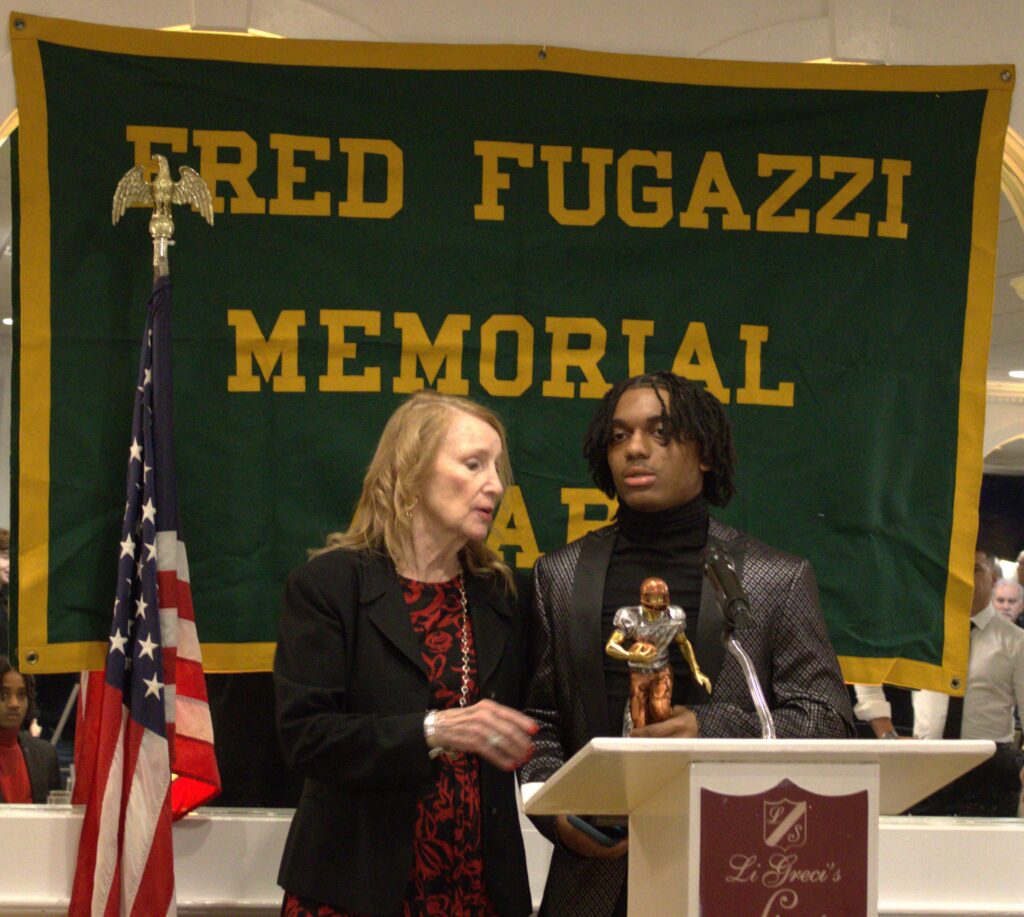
43, 769
351, 693
785, 638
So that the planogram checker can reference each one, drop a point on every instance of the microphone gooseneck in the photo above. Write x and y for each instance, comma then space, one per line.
720, 568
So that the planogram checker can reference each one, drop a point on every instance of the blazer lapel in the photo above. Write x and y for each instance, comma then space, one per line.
585, 627
710, 622
36, 777
490, 616
381, 595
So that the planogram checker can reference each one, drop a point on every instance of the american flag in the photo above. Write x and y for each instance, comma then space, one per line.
146, 716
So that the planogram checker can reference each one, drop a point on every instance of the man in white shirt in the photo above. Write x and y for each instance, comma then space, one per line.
995, 685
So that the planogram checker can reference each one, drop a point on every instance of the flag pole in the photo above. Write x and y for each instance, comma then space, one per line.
138, 765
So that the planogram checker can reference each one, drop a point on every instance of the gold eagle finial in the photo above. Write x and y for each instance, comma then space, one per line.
161, 194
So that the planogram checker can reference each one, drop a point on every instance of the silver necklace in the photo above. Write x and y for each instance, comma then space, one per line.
464, 640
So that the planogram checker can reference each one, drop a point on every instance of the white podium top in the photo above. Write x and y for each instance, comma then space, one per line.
612, 776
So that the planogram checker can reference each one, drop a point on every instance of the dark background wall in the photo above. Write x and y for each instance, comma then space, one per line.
1001, 512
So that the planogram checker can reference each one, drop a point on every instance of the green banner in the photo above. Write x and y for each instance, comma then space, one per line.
524, 226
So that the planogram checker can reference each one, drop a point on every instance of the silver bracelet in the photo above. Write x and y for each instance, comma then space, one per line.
430, 724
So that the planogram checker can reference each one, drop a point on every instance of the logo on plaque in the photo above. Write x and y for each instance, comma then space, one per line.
786, 852
785, 823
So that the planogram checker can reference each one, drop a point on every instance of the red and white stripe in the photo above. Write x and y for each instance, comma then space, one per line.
125, 863
123, 771
189, 726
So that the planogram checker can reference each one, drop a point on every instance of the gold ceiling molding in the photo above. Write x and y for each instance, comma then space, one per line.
1012, 392
8, 125
1012, 177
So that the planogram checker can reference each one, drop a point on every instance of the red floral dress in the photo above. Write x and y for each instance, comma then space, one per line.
447, 874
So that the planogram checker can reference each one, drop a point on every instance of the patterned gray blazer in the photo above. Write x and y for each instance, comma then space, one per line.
785, 638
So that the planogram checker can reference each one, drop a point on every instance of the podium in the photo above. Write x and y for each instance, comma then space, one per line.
730, 826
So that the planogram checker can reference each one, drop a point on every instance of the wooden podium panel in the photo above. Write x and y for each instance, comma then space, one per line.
612, 776
726, 826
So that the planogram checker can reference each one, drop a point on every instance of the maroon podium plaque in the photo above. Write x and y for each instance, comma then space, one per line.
786, 852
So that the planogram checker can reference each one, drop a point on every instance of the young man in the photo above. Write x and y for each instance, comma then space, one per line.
28, 766
663, 445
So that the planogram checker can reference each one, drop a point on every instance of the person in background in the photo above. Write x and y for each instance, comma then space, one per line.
5, 627
28, 766
399, 658
1008, 601
886, 709
995, 569
5, 585
995, 685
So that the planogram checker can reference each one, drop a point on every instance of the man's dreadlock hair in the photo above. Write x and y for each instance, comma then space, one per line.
691, 413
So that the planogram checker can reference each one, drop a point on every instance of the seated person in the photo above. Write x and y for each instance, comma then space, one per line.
28, 766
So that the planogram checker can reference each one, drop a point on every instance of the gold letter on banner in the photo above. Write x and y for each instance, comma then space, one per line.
339, 350
289, 175
512, 528
515, 325
827, 220
143, 136
578, 499
713, 188
492, 179
235, 174
636, 332
283, 345
695, 361
893, 227
418, 348
597, 161
752, 393
562, 357
356, 204
768, 217
659, 195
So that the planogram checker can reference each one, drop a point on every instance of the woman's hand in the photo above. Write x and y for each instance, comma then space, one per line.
496, 733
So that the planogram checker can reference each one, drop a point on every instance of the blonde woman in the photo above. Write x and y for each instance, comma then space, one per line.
397, 668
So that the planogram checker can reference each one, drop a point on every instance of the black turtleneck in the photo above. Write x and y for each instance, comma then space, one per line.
666, 544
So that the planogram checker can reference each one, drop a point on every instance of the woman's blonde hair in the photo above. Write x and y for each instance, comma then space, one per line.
398, 472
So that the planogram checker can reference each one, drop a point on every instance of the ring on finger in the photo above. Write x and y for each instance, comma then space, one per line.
494, 739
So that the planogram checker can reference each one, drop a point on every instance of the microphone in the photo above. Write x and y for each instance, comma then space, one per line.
720, 568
